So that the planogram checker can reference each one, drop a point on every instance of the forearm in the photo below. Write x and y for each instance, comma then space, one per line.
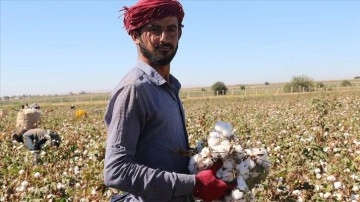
146, 182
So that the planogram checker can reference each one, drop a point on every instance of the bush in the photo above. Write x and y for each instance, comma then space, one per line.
345, 83
299, 84
267, 83
219, 88
242, 87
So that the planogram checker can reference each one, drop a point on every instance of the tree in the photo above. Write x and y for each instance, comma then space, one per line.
219, 88
299, 84
242, 87
267, 83
320, 85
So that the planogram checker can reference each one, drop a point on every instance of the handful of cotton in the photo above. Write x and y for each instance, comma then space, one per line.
247, 166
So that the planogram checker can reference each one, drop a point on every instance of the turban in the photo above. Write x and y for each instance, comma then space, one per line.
146, 11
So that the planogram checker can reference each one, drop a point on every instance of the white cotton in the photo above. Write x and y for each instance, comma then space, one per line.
37, 175
21, 172
249, 152
251, 163
318, 176
220, 151
237, 148
205, 152
195, 159
213, 141
355, 197
224, 128
355, 188
59, 186
93, 191
227, 176
331, 178
241, 184
237, 194
338, 196
317, 170
208, 162
228, 164
337, 185
24, 183
296, 192
21, 189
327, 195
243, 168
226, 144
214, 134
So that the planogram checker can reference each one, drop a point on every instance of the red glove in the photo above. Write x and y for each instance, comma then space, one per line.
208, 187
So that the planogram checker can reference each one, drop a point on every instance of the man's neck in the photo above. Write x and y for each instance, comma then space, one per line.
163, 70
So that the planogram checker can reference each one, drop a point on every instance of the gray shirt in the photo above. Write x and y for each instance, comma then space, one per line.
146, 127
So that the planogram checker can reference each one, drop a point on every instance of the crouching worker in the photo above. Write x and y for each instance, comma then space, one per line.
35, 139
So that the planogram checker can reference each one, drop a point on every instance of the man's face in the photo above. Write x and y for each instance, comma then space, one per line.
158, 41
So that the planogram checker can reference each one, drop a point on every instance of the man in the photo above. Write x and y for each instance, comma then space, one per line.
35, 139
145, 117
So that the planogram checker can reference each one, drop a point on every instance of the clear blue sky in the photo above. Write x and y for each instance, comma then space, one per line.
62, 46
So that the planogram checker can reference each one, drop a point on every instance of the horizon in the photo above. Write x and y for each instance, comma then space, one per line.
57, 47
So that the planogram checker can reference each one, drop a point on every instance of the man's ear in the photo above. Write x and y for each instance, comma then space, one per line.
135, 36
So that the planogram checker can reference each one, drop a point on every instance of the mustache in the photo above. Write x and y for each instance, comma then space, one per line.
164, 45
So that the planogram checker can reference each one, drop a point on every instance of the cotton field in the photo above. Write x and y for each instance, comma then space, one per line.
312, 143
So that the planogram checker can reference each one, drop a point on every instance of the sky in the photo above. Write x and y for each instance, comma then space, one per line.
60, 46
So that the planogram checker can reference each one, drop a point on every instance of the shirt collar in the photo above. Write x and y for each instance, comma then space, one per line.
155, 77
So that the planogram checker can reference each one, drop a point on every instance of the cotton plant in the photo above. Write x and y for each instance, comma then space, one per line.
246, 166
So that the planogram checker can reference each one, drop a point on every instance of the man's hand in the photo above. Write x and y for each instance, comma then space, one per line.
208, 187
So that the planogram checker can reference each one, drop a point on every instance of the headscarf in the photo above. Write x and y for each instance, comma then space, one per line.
145, 11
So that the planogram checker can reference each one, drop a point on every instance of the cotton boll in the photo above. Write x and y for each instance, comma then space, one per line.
24, 183
241, 184
355, 197
251, 163
205, 152
237, 194
327, 195
37, 175
228, 164
237, 148
331, 178
337, 185
227, 176
21, 172
214, 134
220, 151
213, 141
224, 128
195, 159
208, 162
242, 168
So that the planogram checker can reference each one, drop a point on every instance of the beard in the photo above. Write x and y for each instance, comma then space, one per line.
158, 57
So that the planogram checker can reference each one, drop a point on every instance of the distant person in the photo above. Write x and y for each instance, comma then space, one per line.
145, 117
35, 139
